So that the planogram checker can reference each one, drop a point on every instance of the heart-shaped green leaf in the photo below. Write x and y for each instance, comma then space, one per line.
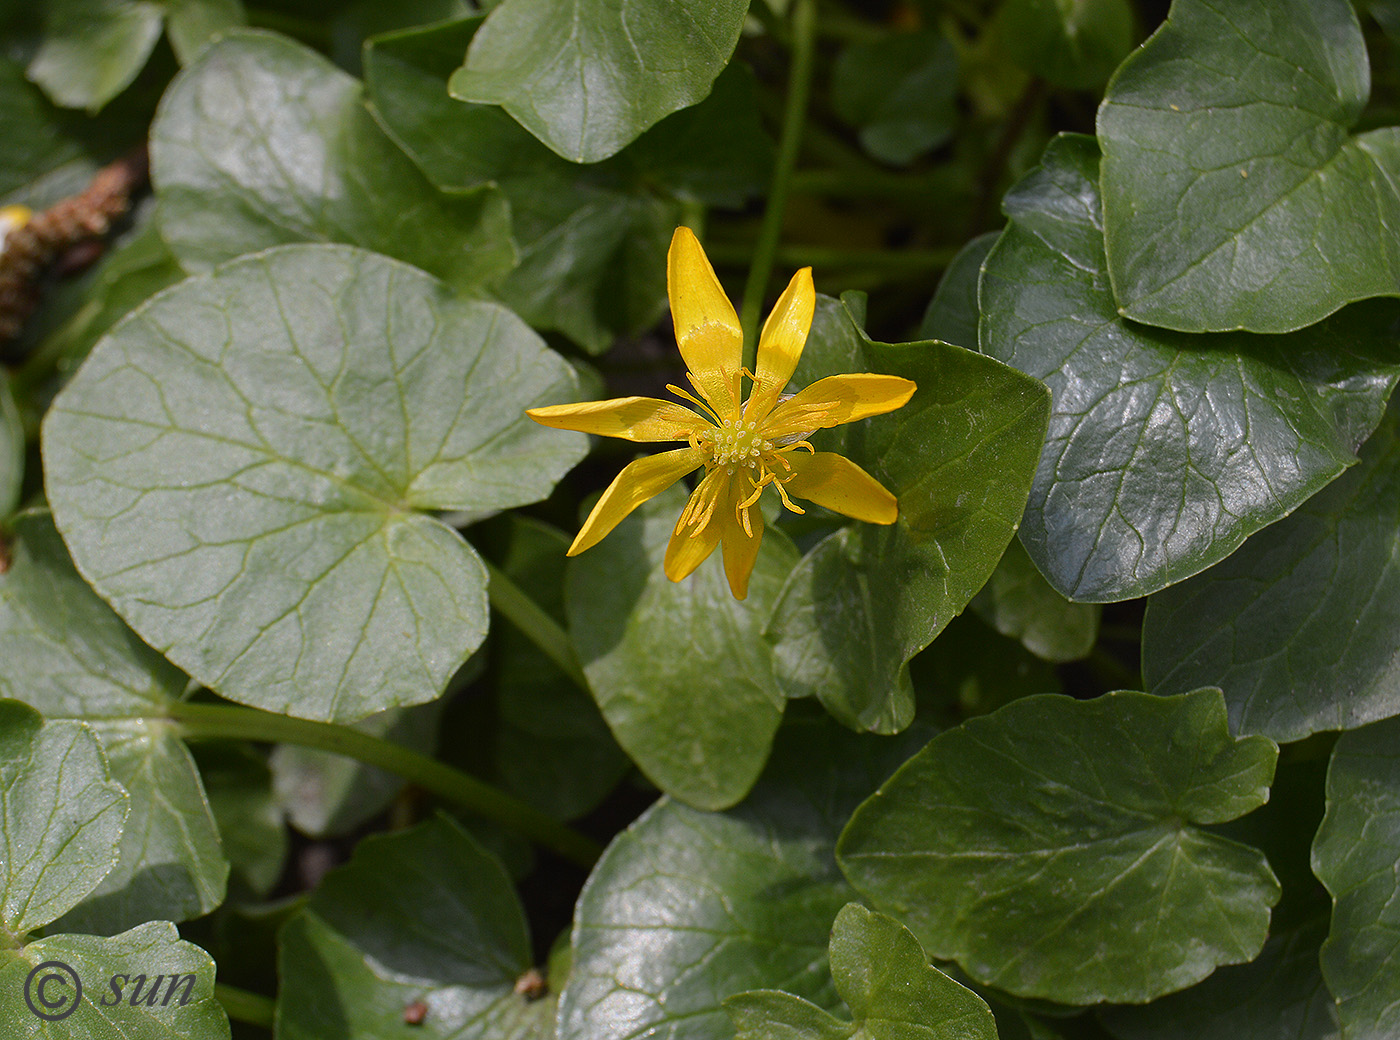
1355, 856
1025, 844
959, 457
952, 313
1297, 627
252, 825
882, 974
424, 917
144, 983
588, 76
1165, 450
680, 670
240, 469
64, 652
61, 815
1279, 995
688, 907
260, 142
1235, 196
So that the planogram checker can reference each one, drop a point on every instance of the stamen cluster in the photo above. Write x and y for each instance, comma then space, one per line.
737, 442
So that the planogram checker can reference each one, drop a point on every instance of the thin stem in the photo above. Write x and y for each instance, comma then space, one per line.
804, 24
229, 721
535, 624
242, 1006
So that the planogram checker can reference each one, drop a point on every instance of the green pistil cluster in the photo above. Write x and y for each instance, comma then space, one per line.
737, 442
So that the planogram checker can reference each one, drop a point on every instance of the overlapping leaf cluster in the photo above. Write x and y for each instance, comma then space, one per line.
1055, 755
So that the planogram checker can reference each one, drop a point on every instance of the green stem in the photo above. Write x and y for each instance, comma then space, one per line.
242, 1006
535, 624
804, 24
229, 721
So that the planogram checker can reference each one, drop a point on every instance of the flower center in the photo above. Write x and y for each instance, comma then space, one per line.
737, 442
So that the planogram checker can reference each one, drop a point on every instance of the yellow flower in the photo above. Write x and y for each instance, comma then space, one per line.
745, 446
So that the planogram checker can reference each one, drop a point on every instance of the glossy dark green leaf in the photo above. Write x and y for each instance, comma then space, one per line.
959, 457
687, 907
952, 313
898, 90
1018, 602
549, 744
1279, 995
142, 983
11, 449
64, 652
1235, 195
327, 795
1297, 627
1054, 848
242, 468
61, 816
1355, 856
588, 76
1071, 43
260, 141
680, 670
884, 978
93, 49
1165, 450
423, 916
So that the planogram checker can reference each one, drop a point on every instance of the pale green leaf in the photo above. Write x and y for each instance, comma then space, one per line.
61, 816
242, 468
260, 142
93, 49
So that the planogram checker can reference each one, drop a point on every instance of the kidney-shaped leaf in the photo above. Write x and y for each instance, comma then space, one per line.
64, 652
1355, 856
426, 917
1234, 194
588, 76
959, 457
687, 908
1165, 450
679, 669
1052, 848
1297, 627
261, 142
144, 983
239, 466
61, 814
892, 990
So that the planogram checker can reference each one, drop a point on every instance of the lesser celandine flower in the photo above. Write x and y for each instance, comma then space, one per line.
745, 446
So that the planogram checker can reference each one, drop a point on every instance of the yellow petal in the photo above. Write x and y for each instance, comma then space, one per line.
692, 541
836, 400
631, 418
741, 548
781, 342
837, 483
707, 329
637, 482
